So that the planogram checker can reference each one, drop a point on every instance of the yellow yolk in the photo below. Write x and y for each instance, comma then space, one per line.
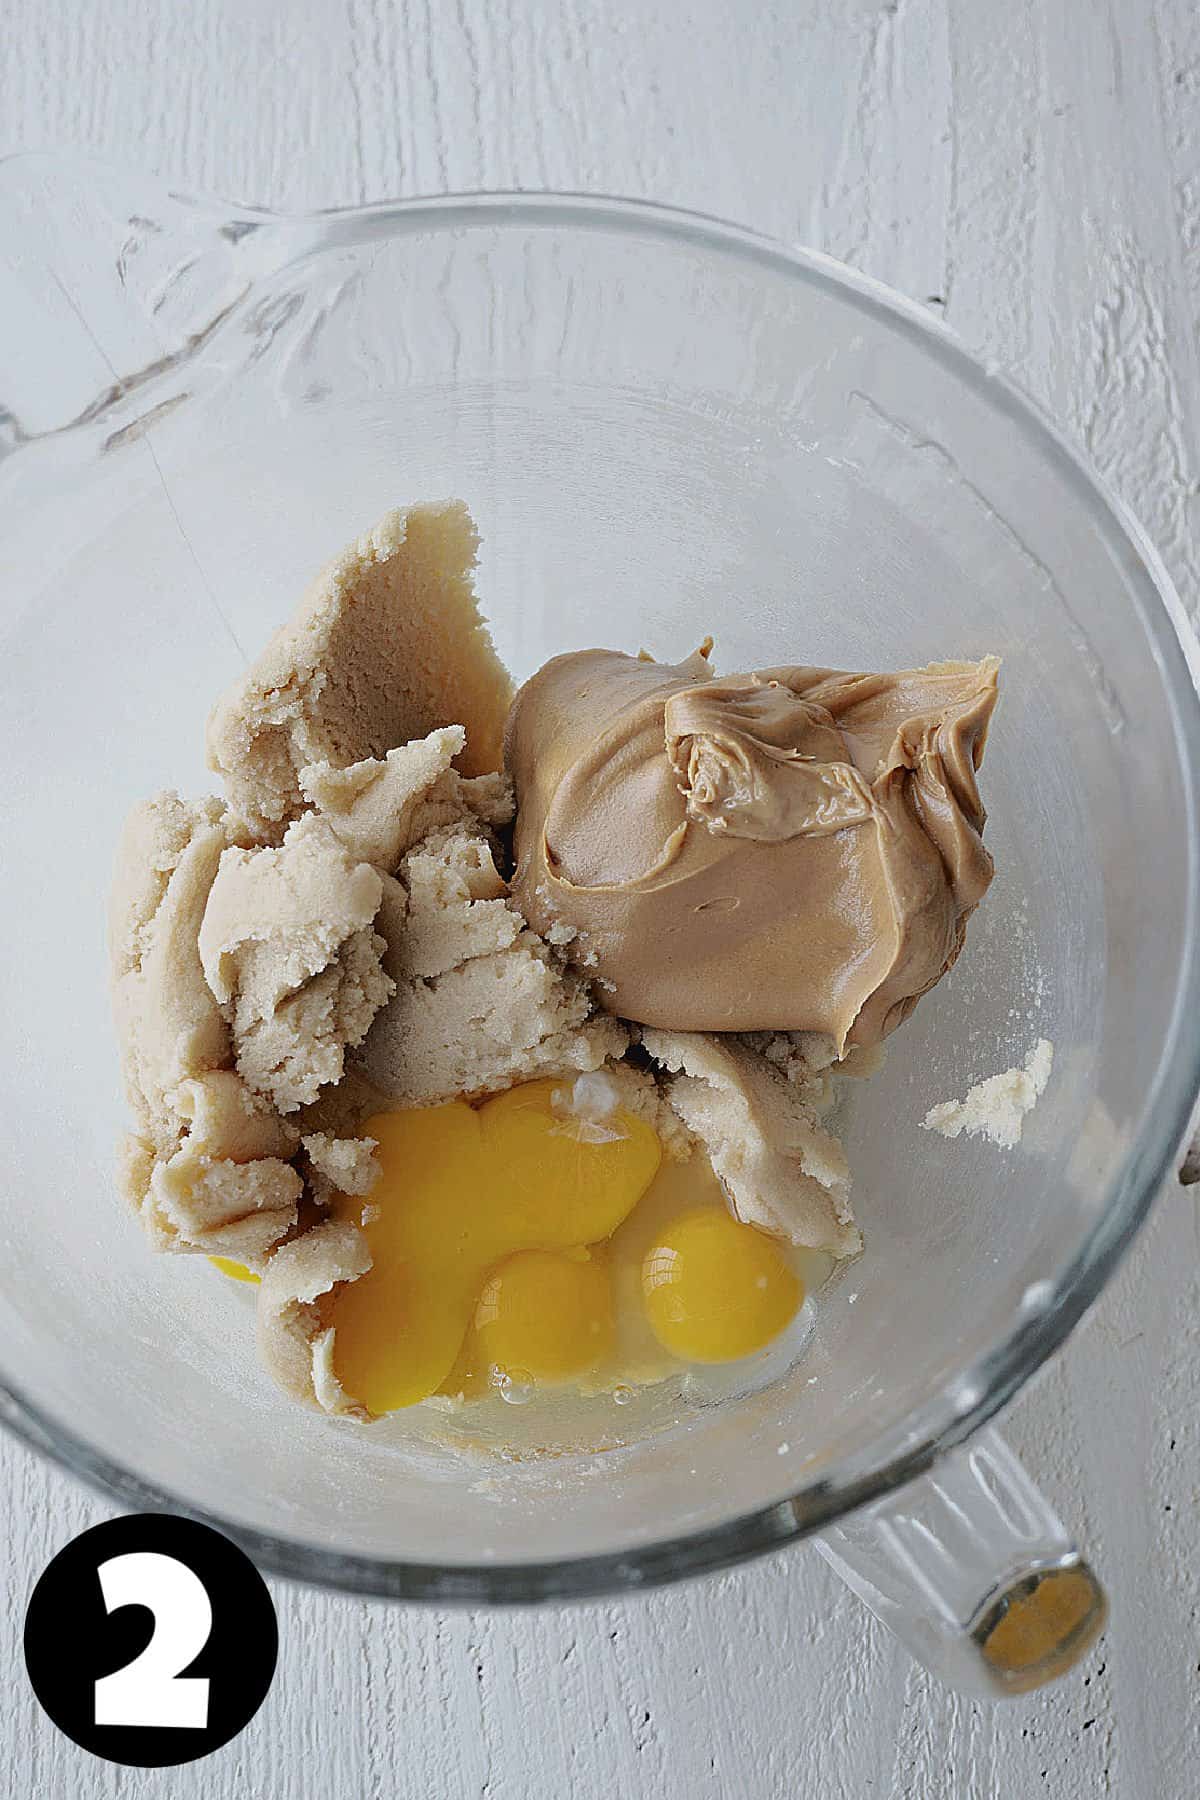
546, 1314
236, 1271
715, 1290
461, 1190
639, 1357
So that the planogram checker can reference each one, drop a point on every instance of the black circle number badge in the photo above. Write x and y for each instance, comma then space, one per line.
151, 1640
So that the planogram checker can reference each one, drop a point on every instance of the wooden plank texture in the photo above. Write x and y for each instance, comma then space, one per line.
1031, 170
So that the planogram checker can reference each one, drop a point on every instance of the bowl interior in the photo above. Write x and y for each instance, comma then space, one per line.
662, 431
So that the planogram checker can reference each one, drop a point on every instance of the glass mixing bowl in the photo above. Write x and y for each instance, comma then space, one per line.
665, 426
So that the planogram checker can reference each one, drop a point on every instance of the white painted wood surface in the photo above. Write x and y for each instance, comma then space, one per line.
1031, 169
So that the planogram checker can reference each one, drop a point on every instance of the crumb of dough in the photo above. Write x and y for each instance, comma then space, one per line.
484, 1026
799, 1055
996, 1108
805, 1058
289, 952
168, 1024
387, 646
154, 839
293, 1339
390, 922
135, 1166
223, 1118
809, 1060
381, 808
491, 798
480, 1001
456, 906
340, 1111
228, 1188
300, 1046
348, 1165
779, 1168
221, 1207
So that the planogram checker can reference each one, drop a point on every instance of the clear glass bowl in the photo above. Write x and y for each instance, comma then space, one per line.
665, 426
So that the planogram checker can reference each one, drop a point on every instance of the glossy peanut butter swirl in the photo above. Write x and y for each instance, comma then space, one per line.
793, 849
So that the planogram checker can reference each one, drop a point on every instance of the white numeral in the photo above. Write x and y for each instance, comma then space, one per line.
150, 1689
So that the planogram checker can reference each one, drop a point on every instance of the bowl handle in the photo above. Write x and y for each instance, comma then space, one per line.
974, 1572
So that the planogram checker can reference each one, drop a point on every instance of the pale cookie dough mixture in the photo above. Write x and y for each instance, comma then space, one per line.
491, 1034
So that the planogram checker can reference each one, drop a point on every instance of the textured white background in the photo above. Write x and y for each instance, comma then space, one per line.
1030, 169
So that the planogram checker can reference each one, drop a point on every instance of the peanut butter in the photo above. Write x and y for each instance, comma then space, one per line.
792, 849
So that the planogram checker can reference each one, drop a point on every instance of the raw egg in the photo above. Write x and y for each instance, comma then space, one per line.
547, 1314
716, 1290
461, 1191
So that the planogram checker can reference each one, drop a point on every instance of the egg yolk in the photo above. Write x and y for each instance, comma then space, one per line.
236, 1271
547, 1314
461, 1190
716, 1290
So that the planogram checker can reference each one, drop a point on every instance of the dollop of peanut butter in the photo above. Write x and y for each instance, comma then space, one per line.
793, 849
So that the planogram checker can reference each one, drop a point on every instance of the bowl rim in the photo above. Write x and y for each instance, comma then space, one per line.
968, 1400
